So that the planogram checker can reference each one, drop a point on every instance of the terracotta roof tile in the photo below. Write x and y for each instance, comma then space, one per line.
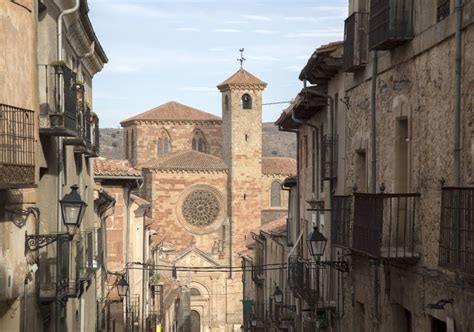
243, 78
174, 111
104, 167
276, 227
187, 160
278, 165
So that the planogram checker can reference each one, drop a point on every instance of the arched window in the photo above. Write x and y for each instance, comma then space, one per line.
195, 292
132, 145
246, 102
199, 142
275, 194
127, 144
163, 143
226, 102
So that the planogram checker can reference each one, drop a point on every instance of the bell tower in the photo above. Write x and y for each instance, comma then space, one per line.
242, 152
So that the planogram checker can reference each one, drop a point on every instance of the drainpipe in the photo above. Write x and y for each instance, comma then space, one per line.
457, 95
373, 175
60, 140
373, 130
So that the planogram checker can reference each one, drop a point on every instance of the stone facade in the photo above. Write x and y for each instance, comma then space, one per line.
414, 102
144, 146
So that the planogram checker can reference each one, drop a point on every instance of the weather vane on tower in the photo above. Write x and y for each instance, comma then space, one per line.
242, 59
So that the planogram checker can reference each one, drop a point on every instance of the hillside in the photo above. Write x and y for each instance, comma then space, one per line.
275, 143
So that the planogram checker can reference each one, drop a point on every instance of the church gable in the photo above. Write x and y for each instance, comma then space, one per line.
195, 257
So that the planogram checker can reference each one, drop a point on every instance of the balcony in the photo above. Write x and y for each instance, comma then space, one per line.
58, 101
341, 221
355, 42
390, 23
386, 226
456, 239
300, 278
329, 165
53, 274
17, 147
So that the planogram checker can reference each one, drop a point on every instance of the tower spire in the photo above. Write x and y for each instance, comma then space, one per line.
241, 59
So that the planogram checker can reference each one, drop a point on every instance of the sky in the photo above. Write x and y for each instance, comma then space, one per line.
164, 50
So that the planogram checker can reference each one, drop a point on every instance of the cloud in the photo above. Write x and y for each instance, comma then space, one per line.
227, 30
257, 18
188, 29
307, 19
267, 32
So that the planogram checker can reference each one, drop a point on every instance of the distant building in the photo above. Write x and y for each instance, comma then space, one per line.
209, 186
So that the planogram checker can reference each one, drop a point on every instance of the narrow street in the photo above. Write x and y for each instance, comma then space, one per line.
224, 166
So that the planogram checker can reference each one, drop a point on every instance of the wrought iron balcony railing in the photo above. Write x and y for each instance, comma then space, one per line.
355, 42
456, 239
58, 101
53, 271
386, 225
341, 221
390, 23
17, 147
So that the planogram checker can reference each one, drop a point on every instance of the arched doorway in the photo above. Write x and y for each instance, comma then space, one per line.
195, 321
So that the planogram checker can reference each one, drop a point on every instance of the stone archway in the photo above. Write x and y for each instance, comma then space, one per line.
195, 321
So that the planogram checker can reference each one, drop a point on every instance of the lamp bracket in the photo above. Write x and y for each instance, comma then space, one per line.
36, 242
340, 266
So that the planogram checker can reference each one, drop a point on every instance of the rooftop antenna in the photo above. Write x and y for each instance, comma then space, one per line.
242, 59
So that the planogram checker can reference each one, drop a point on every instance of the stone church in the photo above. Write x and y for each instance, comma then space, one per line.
209, 187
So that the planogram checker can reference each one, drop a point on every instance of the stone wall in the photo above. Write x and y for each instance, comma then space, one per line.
416, 84
180, 132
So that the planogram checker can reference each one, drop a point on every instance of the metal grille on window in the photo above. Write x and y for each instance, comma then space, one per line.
328, 147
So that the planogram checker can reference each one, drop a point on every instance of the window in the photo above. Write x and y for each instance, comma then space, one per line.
246, 102
442, 9
164, 143
401, 155
275, 194
132, 145
127, 145
314, 161
195, 292
199, 142
226, 102
360, 172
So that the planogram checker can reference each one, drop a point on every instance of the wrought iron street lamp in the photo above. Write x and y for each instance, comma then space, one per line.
278, 295
122, 287
73, 208
317, 245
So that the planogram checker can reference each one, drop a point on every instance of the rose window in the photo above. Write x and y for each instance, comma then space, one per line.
201, 208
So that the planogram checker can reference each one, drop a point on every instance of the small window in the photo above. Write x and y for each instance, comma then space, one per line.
246, 102
163, 143
442, 9
127, 145
226, 102
132, 145
199, 142
195, 292
275, 194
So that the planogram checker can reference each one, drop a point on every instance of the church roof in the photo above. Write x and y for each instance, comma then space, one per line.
244, 79
118, 168
173, 111
278, 165
187, 160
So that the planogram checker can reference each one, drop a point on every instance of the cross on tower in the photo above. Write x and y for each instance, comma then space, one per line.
242, 59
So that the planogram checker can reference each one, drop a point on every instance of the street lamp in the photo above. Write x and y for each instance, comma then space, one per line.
73, 208
278, 295
317, 243
122, 287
